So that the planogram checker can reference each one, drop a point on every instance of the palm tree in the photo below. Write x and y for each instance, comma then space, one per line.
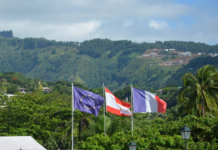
200, 91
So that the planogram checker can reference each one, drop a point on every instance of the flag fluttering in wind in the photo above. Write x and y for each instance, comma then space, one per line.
144, 101
87, 101
116, 106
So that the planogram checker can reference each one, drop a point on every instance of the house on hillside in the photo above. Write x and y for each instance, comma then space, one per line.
153, 55
180, 61
22, 90
8, 95
146, 55
159, 91
184, 54
3, 80
169, 63
201, 54
46, 89
149, 55
212, 55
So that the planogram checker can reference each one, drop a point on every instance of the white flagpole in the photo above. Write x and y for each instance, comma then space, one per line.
104, 112
132, 109
72, 113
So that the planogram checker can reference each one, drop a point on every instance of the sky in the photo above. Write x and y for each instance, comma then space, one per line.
135, 20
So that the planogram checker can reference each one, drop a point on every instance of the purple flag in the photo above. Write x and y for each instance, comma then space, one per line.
87, 101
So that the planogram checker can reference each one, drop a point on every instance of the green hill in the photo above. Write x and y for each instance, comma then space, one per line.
93, 62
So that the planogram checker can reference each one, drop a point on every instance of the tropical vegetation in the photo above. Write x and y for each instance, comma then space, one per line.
201, 91
47, 117
34, 63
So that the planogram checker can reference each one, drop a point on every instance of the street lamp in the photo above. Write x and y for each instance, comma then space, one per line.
132, 146
185, 132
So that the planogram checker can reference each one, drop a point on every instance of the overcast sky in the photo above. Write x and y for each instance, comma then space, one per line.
136, 20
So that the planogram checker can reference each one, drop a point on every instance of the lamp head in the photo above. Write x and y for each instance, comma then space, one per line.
185, 132
132, 146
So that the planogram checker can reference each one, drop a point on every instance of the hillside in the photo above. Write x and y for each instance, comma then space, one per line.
94, 62
192, 67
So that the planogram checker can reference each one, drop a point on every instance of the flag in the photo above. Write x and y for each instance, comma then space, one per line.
144, 101
116, 106
87, 101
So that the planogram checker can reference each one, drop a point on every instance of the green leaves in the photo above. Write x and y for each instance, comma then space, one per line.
29, 114
201, 90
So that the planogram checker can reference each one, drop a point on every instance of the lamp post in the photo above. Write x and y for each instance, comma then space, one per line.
132, 146
185, 132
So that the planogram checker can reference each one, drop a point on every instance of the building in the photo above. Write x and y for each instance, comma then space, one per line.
169, 63
150, 55
146, 55
22, 90
184, 54
153, 55
159, 91
46, 89
180, 61
8, 95
19, 143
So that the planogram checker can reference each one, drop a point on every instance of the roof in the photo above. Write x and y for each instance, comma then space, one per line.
9, 95
19, 142
46, 88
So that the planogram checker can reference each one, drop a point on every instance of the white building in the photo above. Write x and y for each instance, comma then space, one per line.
46, 89
184, 54
146, 55
8, 95
153, 54
19, 143
22, 90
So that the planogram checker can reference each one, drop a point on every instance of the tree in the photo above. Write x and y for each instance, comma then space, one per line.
201, 88
29, 114
12, 88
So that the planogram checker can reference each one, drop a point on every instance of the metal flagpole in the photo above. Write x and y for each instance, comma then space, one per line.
72, 113
104, 112
132, 109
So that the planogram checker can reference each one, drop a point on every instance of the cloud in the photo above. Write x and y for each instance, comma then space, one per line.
79, 29
53, 31
158, 24
128, 23
136, 20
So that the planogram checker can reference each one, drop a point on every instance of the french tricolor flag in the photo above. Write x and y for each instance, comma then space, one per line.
144, 101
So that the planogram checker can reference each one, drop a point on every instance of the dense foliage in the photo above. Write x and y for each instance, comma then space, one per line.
97, 61
6, 34
11, 81
47, 118
200, 91
33, 114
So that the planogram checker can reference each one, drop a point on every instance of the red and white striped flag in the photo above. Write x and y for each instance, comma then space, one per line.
116, 106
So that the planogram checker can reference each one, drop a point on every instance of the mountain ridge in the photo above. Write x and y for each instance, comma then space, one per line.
94, 62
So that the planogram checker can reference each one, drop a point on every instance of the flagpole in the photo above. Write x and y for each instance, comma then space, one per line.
132, 109
104, 112
72, 113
